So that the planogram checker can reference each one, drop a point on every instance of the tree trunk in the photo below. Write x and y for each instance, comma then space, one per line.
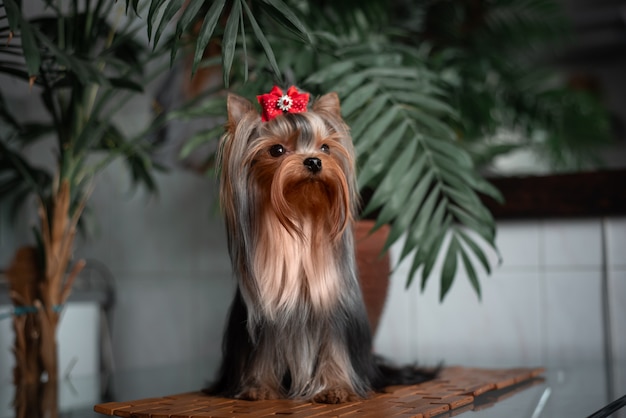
37, 400
40, 286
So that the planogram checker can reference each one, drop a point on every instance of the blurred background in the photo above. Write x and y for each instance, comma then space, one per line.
158, 283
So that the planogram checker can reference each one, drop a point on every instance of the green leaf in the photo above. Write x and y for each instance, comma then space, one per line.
229, 40
450, 149
432, 124
431, 257
426, 240
450, 167
358, 98
331, 72
153, 14
417, 231
141, 171
430, 220
395, 84
14, 14
484, 229
482, 185
92, 133
467, 199
425, 102
199, 139
375, 131
113, 140
86, 71
172, 8
405, 216
455, 179
244, 47
388, 184
448, 272
286, 11
381, 157
125, 83
438, 224
372, 57
30, 47
345, 85
211, 106
460, 192
368, 115
135, 4
267, 48
471, 273
188, 16
397, 201
206, 31
395, 72
478, 252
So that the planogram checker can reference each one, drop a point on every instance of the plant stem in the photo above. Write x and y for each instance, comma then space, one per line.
61, 26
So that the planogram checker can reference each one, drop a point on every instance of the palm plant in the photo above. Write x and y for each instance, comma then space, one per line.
426, 87
83, 69
492, 55
424, 97
420, 180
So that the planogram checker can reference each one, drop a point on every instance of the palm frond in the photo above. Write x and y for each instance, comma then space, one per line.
425, 183
231, 33
30, 49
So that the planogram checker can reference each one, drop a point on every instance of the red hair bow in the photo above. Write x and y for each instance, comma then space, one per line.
276, 103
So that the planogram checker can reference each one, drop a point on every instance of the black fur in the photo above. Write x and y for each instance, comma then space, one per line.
238, 350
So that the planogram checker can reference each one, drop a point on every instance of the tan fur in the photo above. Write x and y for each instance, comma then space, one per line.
293, 267
303, 217
287, 226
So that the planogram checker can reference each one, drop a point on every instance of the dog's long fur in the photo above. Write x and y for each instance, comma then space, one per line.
297, 326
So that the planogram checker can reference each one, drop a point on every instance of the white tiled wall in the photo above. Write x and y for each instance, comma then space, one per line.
572, 244
541, 306
573, 321
616, 237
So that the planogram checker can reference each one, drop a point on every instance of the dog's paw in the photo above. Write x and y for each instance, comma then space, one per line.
259, 394
336, 395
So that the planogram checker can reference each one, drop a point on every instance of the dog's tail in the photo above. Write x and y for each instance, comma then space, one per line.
391, 375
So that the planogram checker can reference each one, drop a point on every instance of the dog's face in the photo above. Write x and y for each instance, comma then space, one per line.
299, 167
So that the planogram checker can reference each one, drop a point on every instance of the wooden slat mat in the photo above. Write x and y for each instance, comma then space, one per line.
454, 390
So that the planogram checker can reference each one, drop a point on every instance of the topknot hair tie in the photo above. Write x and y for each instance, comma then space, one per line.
276, 103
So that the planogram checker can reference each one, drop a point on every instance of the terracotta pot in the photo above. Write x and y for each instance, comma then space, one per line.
374, 268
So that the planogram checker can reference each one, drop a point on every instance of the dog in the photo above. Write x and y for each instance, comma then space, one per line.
297, 327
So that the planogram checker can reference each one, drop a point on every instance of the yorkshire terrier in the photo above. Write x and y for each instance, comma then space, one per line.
297, 327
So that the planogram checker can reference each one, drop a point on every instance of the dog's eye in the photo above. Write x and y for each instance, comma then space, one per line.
277, 150
325, 148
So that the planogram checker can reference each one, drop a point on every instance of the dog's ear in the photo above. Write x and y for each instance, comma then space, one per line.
237, 108
328, 103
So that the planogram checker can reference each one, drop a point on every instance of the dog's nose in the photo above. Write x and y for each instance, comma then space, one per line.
313, 164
